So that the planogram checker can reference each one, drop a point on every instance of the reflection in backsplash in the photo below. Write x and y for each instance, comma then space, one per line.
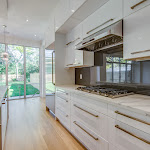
115, 70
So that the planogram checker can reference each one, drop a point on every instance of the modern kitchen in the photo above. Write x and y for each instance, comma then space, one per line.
75, 75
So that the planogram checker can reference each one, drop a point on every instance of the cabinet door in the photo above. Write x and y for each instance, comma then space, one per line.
126, 137
137, 34
87, 137
134, 5
109, 13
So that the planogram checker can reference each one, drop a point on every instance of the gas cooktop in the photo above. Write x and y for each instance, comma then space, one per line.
107, 91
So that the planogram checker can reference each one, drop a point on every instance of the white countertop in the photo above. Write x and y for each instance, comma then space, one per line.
137, 103
2, 92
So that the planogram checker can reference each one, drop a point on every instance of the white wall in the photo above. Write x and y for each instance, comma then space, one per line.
19, 41
63, 76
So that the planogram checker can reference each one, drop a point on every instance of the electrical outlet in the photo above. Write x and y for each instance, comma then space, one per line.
80, 76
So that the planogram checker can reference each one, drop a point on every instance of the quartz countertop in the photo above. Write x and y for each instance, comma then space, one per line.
3, 90
136, 102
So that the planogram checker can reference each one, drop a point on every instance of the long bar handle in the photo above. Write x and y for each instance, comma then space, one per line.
73, 41
138, 4
140, 51
85, 110
118, 127
133, 118
100, 25
95, 138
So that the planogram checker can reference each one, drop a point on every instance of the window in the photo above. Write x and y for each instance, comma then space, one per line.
118, 70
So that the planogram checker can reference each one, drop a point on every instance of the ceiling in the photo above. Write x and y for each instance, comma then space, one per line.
27, 19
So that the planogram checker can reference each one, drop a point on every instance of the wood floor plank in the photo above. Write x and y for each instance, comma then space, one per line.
31, 127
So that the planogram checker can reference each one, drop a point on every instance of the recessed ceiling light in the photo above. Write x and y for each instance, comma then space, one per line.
35, 35
72, 10
27, 20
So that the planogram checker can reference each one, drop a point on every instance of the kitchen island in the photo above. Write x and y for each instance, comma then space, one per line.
103, 123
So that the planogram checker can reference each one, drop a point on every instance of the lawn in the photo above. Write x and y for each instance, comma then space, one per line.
18, 90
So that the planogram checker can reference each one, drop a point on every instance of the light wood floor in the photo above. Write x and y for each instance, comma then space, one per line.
30, 127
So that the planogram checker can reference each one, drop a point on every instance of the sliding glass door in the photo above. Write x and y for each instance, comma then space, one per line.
16, 71
32, 71
21, 72
2, 66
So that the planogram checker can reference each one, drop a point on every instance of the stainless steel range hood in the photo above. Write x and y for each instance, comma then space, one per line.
108, 40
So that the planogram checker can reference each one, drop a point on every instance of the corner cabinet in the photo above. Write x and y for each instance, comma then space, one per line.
77, 58
137, 35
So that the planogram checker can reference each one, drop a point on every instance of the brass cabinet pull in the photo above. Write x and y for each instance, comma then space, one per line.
95, 138
73, 41
85, 111
63, 99
133, 118
117, 126
141, 51
100, 25
138, 4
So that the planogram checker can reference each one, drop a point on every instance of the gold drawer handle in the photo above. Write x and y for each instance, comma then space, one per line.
95, 138
73, 41
140, 52
117, 126
85, 111
138, 4
100, 25
133, 118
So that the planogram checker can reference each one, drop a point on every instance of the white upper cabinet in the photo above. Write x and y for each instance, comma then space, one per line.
131, 6
109, 13
77, 58
137, 35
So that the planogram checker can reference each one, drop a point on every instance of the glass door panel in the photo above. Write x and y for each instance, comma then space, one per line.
2, 66
32, 71
16, 71
50, 71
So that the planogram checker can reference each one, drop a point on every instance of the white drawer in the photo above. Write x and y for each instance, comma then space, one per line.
126, 137
87, 137
63, 117
63, 94
94, 120
90, 102
129, 6
63, 104
133, 119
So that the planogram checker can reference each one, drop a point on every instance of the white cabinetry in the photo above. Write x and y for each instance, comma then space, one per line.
99, 125
62, 107
136, 35
126, 137
77, 58
134, 5
109, 13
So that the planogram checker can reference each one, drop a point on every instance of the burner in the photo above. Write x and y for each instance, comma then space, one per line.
108, 91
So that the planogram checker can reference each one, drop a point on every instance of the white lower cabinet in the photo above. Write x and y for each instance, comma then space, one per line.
89, 139
94, 120
102, 126
126, 137
63, 117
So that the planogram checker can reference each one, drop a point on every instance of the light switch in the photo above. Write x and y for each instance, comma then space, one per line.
80, 76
